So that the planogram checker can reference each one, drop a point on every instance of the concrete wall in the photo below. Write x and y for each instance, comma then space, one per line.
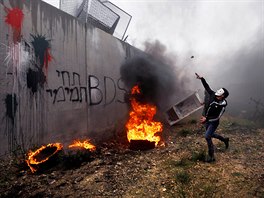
59, 78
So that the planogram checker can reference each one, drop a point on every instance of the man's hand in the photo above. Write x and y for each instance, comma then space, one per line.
197, 76
203, 120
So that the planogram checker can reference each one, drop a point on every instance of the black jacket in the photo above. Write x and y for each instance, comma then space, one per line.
213, 108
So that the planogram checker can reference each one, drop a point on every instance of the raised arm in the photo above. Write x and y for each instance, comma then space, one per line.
206, 86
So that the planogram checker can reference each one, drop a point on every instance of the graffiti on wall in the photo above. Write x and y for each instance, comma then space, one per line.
14, 59
31, 57
27, 63
104, 91
42, 50
36, 75
94, 91
70, 88
26, 68
14, 19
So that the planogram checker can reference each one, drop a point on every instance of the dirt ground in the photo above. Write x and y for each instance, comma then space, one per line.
175, 169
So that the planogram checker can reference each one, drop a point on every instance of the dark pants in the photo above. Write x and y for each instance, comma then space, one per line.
210, 133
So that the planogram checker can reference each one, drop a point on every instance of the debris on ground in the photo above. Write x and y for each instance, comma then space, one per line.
174, 169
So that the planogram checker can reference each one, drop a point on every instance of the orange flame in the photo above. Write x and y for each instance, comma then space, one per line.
85, 144
140, 125
32, 156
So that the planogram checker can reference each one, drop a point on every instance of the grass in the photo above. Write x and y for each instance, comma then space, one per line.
183, 177
198, 155
184, 162
177, 170
236, 174
174, 165
233, 123
184, 132
208, 190
181, 192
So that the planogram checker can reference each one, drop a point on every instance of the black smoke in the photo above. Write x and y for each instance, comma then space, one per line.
155, 74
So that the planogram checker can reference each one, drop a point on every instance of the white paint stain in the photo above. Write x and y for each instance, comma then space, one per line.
17, 59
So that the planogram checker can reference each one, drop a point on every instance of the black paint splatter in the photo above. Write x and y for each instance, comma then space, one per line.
11, 107
35, 79
41, 47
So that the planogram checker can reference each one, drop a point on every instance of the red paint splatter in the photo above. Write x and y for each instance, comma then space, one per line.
14, 18
48, 58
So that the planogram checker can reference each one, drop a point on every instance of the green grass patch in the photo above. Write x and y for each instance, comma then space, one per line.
181, 192
184, 132
198, 155
184, 162
233, 123
175, 164
208, 190
236, 151
236, 174
183, 177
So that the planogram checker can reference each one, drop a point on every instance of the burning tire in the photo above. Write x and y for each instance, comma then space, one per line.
42, 156
141, 145
142, 130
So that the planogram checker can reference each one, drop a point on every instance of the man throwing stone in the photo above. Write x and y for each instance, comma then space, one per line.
211, 116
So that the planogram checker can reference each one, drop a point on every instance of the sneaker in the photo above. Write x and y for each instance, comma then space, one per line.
226, 142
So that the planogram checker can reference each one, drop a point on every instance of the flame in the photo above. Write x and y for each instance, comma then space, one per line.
32, 156
85, 144
140, 125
